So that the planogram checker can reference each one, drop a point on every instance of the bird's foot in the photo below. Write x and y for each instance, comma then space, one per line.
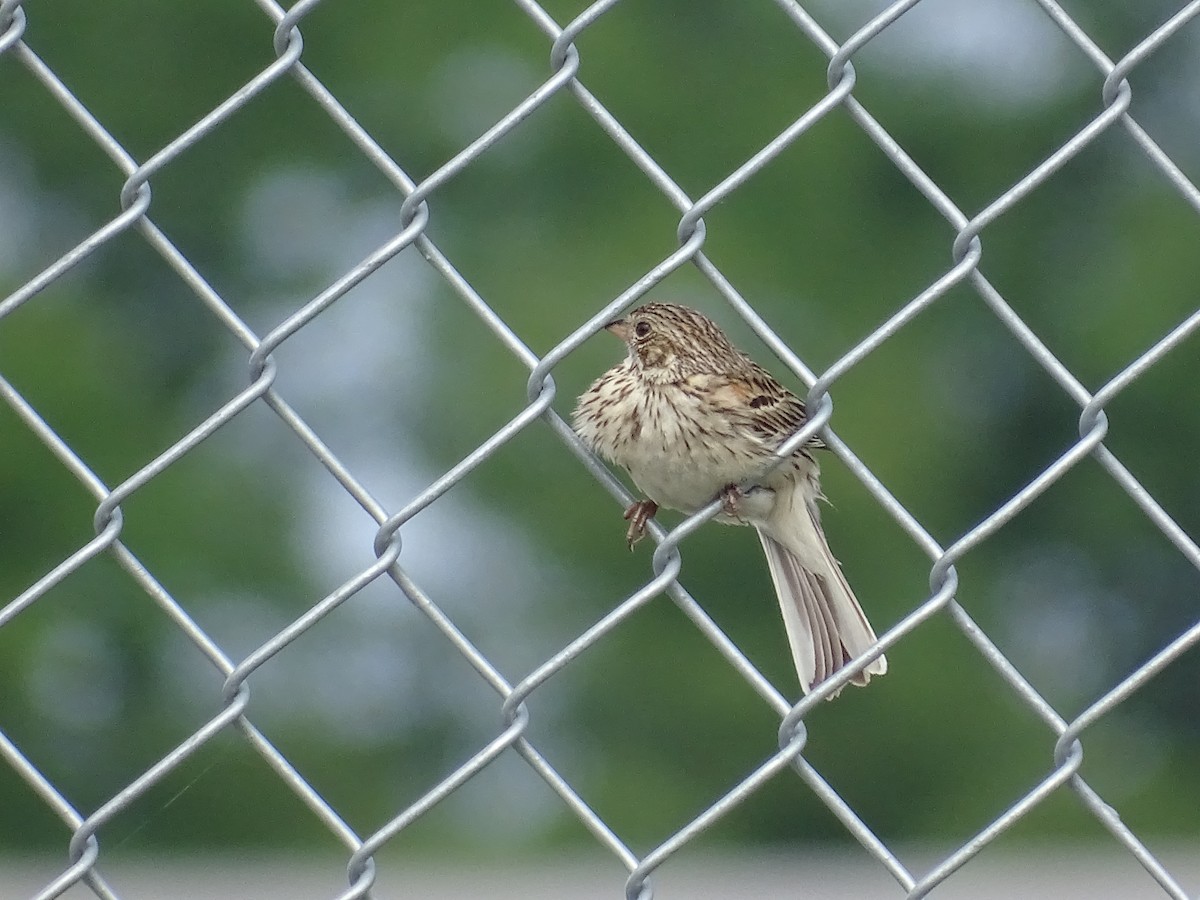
638, 515
731, 501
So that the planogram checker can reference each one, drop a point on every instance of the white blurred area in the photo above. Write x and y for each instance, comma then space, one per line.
1010, 56
1105, 873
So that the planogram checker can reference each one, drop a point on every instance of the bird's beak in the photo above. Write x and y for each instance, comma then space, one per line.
619, 327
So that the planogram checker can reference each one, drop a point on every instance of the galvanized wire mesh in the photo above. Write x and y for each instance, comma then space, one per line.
1066, 736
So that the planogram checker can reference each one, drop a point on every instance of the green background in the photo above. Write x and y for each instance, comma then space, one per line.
373, 706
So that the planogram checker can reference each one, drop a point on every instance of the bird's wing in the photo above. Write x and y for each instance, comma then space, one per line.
753, 397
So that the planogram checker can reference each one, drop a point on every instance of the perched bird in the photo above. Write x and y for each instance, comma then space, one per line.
690, 417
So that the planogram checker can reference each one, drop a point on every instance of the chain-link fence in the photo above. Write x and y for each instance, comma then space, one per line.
567, 78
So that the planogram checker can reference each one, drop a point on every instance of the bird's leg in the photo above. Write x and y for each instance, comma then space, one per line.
638, 515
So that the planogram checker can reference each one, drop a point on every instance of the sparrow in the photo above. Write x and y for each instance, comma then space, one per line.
691, 417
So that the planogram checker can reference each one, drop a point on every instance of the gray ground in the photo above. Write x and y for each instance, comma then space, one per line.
842, 874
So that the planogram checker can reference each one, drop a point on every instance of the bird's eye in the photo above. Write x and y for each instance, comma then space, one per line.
641, 329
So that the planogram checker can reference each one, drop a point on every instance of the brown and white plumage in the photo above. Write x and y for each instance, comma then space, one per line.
690, 417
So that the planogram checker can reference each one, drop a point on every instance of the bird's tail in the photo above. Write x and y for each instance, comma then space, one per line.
826, 627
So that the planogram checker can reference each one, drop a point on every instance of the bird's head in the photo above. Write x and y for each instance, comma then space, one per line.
668, 342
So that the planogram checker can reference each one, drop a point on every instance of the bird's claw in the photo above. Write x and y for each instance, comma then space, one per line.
638, 515
731, 501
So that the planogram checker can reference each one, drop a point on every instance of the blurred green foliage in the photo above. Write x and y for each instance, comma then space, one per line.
96, 681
